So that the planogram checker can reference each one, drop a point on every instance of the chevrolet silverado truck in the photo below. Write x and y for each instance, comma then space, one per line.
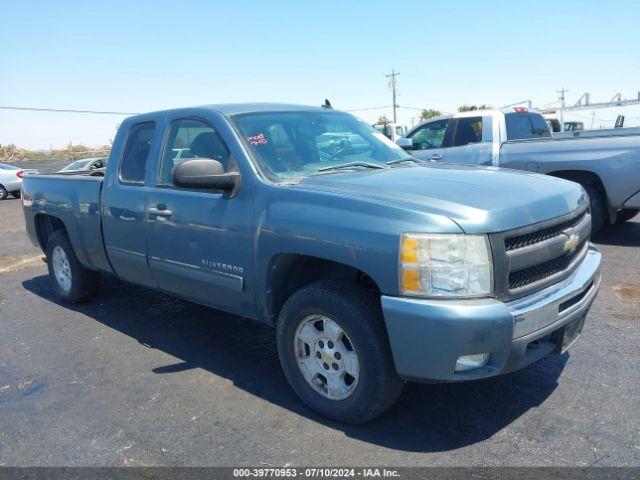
606, 164
373, 269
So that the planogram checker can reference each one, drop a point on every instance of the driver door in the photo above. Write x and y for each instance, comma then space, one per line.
199, 240
427, 138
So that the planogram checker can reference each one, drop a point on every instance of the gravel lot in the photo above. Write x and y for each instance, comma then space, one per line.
138, 378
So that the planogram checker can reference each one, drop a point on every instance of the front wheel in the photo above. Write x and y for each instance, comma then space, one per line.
72, 283
334, 351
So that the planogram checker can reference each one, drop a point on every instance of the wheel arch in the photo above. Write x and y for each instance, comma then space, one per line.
587, 177
45, 225
288, 272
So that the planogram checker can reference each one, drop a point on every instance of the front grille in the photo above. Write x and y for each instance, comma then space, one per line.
520, 241
538, 272
531, 258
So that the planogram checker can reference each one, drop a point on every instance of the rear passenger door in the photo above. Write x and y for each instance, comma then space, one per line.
124, 206
199, 241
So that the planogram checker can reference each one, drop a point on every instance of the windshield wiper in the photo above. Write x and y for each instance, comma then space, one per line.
402, 160
340, 166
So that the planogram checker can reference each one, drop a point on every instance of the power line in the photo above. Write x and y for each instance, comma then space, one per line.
365, 108
411, 108
65, 110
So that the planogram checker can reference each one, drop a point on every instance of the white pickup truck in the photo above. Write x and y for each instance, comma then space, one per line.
607, 165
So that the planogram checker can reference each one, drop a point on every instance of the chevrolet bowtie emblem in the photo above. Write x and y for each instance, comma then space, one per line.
572, 242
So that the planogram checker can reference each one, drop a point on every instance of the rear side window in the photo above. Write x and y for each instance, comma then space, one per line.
136, 152
523, 125
463, 131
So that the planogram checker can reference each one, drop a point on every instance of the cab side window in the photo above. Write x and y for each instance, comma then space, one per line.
136, 153
429, 135
190, 138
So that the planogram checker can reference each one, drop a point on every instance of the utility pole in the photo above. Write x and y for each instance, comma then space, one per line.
562, 107
392, 84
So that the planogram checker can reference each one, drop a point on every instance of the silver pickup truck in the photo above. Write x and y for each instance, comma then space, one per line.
606, 164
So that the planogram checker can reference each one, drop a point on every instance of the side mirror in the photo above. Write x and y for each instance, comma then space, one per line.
405, 143
204, 173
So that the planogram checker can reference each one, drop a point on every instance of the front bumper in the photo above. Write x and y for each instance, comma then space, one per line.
428, 336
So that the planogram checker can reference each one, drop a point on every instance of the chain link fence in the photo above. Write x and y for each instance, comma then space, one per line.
50, 164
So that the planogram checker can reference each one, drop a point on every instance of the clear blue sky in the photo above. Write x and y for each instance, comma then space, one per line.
148, 55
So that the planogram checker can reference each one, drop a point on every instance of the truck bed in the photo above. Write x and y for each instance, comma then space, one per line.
75, 201
614, 158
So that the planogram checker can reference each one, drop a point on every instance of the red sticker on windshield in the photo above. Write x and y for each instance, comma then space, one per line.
259, 139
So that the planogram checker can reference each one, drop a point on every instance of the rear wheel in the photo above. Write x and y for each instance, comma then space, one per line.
626, 215
334, 351
3, 192
597, 206
16, 194
72, 283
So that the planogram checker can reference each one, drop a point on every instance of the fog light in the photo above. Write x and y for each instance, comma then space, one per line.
469, 362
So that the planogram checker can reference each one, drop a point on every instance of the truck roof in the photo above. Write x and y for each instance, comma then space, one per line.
491, 111
236, 108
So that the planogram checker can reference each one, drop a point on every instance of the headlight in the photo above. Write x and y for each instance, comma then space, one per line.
445, 265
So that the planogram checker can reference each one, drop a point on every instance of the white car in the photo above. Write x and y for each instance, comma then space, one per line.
85, 165
11, 180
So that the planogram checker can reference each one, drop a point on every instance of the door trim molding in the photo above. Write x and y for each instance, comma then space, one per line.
222, 279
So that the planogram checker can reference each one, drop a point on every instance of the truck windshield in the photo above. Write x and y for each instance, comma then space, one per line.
287, 145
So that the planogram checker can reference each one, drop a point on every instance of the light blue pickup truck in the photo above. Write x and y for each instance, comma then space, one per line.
374, 269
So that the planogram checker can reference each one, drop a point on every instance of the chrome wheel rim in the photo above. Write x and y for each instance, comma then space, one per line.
326, 357
61, 269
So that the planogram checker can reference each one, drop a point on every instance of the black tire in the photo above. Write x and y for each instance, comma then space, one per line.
3, 192
597, 207
84, 282
357, 311
626, 215
15, 194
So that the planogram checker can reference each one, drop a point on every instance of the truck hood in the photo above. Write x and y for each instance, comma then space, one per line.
478, 199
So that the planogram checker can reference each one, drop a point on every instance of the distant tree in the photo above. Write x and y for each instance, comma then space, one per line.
11, 152
470, 108
429, 113
383, 120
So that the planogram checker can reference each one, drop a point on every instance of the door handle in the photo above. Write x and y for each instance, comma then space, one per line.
160, 212
434, 158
